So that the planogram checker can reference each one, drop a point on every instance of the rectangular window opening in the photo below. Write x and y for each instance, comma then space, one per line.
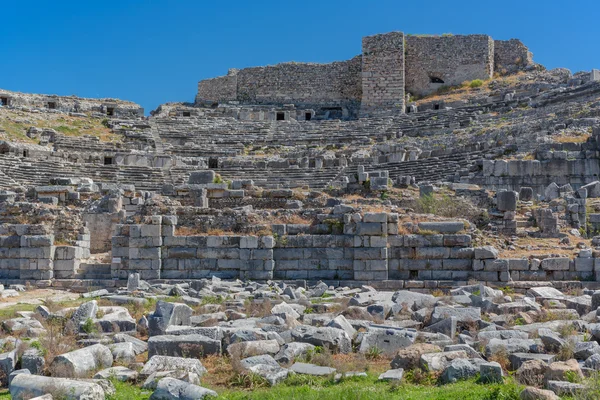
108, 160
4, 101
110, 111
308, 116
51, 105
187, 114
280, 116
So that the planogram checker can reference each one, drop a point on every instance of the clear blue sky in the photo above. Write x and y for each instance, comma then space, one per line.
151, 51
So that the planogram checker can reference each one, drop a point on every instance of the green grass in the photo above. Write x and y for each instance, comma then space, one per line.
11, 312
369, 388
312, 388
126, 391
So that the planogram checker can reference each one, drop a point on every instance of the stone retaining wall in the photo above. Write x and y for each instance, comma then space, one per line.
363, 248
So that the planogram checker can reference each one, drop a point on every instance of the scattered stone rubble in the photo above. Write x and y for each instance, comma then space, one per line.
547, 338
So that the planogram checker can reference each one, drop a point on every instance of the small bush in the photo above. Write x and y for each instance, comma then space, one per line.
374, 353
476, 83
89, 326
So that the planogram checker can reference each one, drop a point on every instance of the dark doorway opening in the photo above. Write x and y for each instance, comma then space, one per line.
213, 162
308, 116
280, 116
436, 106
435, 79
187, 114
24, 153
108, 160
110, 111
408, 110
51, 105
4, 101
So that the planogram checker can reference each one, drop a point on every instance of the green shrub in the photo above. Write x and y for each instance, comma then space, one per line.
476, 83
89, 326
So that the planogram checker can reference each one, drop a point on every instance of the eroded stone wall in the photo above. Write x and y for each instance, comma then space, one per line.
511, 56
383, 73
109, 107
222, 88
336, 84
433, 62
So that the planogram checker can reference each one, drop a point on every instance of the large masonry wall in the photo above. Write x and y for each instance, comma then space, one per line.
337, 84
364, 248
447, 60
383, 73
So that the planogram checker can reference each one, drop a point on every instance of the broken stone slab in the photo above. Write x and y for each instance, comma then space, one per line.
116, 319
533, 393
563, 388
17, 372
167, 314
562, 370
392, 375
121, 299
593, 362
119, 373
273, 374
471, 352
336, 340
491, 372
85, 311
175, 389
408, 358
446, 326
340, 322
165, 363
290, 351
311, 369
510, 346
253, 348
439, 361
95, 293
139, 346
285, 311
33, 360
133, 282
458, 369
462, 314
518, 359
183, 346
386, 339
27, 386
593, 189
413, 300
507, 200
584, 350
122, 352
264, 359
80, 363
